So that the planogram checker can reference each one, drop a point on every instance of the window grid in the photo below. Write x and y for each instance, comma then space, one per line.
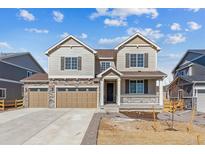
71, 63
104, 66
140, 60
136, 60
137, 86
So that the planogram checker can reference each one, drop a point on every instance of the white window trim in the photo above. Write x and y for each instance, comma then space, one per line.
136, 87
71, 64
136, 60
104, 62
30, 73
5, 93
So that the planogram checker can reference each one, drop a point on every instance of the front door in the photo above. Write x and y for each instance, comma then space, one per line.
109, 92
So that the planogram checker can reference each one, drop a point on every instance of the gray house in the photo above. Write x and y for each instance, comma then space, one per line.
13, 68
189, 80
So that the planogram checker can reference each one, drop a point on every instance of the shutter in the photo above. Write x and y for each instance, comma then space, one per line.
146, 86
127, 86
146, 60
127, 60
79, 63
62, 63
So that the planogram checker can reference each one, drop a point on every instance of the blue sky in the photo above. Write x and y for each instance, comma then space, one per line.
35, 30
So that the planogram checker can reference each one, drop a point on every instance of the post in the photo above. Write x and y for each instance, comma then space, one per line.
118, 91
101, 92
160, 93
15, 102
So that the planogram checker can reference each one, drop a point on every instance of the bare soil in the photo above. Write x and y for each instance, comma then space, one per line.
141, 131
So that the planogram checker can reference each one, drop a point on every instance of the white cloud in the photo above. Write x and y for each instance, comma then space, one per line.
158, 25
115, 22
26, 15
193, 9
175, 27
148, 32
111, 41
35, 30
193, 25
58, 16
83, 36
5, 45
64, 35
175, 38
124, 13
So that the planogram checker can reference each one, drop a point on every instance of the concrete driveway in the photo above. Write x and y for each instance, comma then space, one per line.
44, 126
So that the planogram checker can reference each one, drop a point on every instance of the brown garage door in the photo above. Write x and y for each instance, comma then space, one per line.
76, 98
38, 97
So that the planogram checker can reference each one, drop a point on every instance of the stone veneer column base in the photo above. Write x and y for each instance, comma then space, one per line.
51, 95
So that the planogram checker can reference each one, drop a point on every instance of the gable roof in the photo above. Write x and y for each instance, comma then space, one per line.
107, 70
4, 56
138, 35
64, 40
36, 77
197, 51
11, 54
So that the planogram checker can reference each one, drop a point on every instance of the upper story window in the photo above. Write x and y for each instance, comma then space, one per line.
29, 73
136, 60
137, 86
104, 65
71, 63
2, 93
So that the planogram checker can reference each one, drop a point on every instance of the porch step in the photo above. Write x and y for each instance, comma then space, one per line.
140, 108
109, 108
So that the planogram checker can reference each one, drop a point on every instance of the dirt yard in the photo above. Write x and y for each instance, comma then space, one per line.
136, 131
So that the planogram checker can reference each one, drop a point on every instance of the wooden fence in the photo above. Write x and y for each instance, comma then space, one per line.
172, 106
5, 104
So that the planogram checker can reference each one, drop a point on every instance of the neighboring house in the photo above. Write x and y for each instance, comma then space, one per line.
189, 80
80, 76
13, 68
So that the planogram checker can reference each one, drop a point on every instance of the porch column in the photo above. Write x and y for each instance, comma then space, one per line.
101, 92
118, 91
161, 92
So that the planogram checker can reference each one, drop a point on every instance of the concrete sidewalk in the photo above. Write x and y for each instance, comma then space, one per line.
44, 126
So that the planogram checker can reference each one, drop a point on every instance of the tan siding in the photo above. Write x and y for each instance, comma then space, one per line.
137, 40
88, 62
71, 42
152, 53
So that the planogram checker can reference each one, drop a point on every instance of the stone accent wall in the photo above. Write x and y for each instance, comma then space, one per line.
51, 95
139, 100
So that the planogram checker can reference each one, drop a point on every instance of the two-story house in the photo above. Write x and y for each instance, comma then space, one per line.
189, 80
13, 68
83, 77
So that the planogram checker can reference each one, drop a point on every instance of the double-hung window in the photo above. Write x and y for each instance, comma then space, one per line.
136, 60
71, 63
2, 93
104, 65
137, 86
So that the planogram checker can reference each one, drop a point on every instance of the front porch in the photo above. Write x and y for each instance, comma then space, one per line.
116, 91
